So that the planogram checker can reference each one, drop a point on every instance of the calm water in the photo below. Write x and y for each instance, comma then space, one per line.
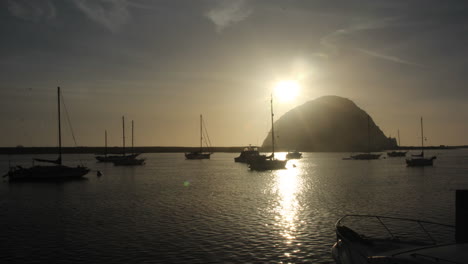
215, 211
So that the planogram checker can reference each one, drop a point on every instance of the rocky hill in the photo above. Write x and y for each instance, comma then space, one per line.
329, 123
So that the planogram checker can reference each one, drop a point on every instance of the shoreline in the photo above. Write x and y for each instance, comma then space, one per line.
118, 150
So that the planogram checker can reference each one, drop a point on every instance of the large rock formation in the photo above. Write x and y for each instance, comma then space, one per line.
329, 123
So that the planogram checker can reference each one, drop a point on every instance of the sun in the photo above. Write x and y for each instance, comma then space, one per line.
287, 91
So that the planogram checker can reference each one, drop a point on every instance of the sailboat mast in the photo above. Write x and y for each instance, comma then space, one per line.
399, 144
59, 127
422, 136
123, 133
132, 139
105, 140
272, 128
368, 134
201, 132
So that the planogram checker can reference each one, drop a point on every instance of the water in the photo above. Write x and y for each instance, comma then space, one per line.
172, 210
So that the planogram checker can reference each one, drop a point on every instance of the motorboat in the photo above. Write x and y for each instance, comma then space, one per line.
373, 239
247, 154
294, 155
368, 155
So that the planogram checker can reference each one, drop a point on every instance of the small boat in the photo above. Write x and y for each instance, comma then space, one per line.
43, 173
268, 163
112, 158
419, 160
200, 154
365, 156
397, 153
379, 239
128, 160
247, 154
294, 155
368, 155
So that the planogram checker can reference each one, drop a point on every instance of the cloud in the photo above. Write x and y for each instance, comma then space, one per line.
32, 10
228, 12
111, 14
333, 41
388, 58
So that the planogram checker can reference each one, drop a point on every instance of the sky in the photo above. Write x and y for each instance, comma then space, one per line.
163, 63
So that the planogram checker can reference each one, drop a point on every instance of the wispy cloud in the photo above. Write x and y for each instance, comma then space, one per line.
334, 41
388, 58
32, 10
111, 14
228, 12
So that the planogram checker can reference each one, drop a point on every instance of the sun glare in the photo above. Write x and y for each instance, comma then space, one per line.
286, 91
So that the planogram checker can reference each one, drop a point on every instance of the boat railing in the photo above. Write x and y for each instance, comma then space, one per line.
383, 221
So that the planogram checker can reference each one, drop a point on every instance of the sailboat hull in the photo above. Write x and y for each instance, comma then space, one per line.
396, 154
197, 155
114, 158
267, 164
41, 173
420, 162
58, 172
129, 162
366, 156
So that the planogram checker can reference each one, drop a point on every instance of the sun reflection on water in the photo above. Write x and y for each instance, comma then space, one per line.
288, 187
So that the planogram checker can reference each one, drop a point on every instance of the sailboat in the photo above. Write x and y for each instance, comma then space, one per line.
368, 155
128, 160
397, 153
199, 154
418, 160
43, 173
268, 163
107, 158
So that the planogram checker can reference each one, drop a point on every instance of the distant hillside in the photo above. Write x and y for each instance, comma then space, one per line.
329, 123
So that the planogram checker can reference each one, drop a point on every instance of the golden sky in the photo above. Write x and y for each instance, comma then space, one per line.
163, 63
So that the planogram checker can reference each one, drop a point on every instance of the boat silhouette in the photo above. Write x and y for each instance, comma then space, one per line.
58, 171
270, 162
200, 154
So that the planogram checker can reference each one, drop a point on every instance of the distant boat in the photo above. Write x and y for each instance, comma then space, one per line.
365, 156
397, 153
200, 154
368, 155
43, 173
418, 160
294, 155
249, 153
270, 162
128, 160
109, 158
